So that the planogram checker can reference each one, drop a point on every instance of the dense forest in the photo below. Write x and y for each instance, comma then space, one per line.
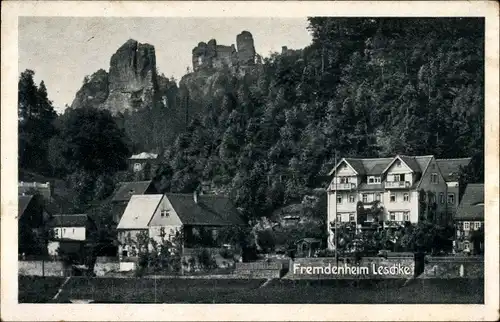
268, 135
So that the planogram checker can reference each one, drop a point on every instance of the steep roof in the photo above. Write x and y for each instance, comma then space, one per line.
411, 162
472, 205
450, 168
139, 211
357, 164
68, 220
375, 166
22, 205
126, 190
210, 210
144, 155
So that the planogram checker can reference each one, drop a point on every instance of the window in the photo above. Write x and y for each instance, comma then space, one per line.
378, 180
373, 179
137, 167
365, 197
377, 196
406, 197
432, 199
351, 217
477, 225
451, 198
441, 197
466, 225
344, 180
125, 253
339, 198
406, 216
398, 177
56, 233
392, 216
164, 213
398, 163
351, 198
392, 197
339, 217
434, 178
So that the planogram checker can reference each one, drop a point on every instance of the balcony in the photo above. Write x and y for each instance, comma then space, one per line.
397, 184
343, 186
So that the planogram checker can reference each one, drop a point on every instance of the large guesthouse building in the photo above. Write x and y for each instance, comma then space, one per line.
400, 187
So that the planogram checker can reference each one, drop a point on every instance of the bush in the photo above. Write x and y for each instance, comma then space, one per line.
226, 253
205, 259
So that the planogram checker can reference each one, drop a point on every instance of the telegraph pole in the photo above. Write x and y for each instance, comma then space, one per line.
336, 217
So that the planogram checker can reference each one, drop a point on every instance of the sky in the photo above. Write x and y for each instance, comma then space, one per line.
63, 50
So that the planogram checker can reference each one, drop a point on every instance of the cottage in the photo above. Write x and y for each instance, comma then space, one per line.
469, 220
70, 231
307, 247
156, 216
144, 164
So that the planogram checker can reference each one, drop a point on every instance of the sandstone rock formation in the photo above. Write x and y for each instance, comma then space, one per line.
131, 83
246, 49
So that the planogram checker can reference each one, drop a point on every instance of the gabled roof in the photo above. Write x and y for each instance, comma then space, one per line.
68, 220
377, 166
144, 155
139, 211
22, 205
210, 210
450, 168
356, 166
409, 161
472, 205
126, 190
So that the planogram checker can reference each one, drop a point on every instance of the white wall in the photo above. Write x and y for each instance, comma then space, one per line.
75, 233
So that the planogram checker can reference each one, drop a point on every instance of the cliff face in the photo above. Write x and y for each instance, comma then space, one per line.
131, 83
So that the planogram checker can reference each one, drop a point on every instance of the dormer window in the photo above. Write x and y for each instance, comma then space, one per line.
131, 192
374, 179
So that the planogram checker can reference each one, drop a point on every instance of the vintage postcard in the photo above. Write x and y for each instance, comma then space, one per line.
250, 160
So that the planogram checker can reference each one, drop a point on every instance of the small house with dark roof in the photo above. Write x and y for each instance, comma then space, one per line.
452, 170
144, 163
469, 219
200, 217
70, 229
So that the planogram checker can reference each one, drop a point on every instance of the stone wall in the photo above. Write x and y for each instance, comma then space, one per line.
40, 268
105, 265
454, 267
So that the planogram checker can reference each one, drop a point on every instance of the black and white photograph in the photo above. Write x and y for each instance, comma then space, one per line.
305, 159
